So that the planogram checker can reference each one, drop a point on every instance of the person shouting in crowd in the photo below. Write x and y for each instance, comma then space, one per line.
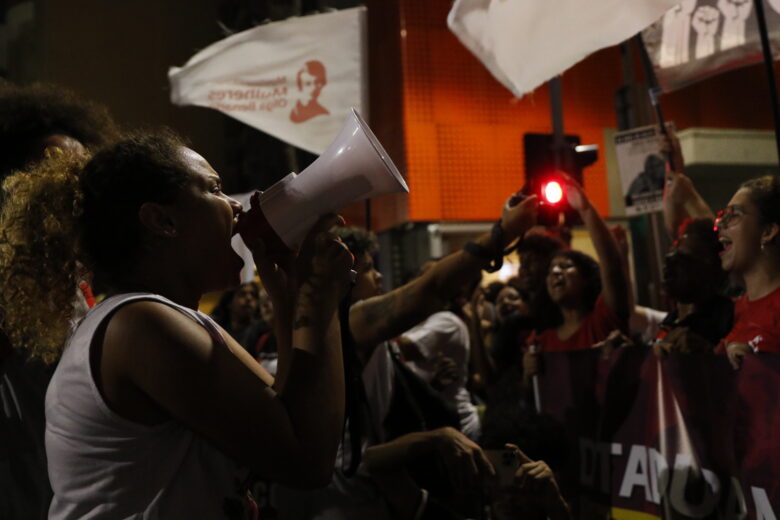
749, 229
526, 303
153, 409
592, 298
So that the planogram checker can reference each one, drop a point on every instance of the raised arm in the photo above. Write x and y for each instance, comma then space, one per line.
613, 275
681, 200
384, 317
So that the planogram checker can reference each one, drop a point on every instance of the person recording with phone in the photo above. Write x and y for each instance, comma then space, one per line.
524, 488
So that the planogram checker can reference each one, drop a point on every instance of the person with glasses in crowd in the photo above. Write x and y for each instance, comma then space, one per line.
592, 297
748, 229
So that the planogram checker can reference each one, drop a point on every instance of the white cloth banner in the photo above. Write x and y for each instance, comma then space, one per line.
524, 43
296, 79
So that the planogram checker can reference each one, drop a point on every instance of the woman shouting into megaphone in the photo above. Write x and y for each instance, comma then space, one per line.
154, 410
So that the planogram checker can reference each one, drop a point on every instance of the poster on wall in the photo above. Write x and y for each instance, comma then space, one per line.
642, 169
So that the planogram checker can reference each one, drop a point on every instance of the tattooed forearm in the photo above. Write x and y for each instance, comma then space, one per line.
378, 309
383, 317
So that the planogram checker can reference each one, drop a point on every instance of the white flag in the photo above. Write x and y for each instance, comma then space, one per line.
296, 79
524, 43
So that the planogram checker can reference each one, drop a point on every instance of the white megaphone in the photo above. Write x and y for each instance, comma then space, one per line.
353, 168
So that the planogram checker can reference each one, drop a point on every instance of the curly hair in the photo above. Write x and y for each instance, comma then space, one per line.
358, 240
29, 114
540, 243
70, 215
39, 271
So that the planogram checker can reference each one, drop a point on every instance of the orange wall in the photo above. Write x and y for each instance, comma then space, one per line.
457, 133
464, 130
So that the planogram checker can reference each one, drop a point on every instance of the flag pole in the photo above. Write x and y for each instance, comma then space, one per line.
770, 68
653, 91
556, 113
655, 220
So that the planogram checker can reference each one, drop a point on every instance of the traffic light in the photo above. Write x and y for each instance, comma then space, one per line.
544, 175
552, 192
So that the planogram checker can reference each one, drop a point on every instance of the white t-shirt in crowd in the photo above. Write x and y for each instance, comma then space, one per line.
445, 333
104, 466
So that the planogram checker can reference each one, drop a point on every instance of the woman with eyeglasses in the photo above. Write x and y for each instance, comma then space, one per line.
748, 228
592, 297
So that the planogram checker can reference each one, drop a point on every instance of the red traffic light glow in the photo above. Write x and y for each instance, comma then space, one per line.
552, 192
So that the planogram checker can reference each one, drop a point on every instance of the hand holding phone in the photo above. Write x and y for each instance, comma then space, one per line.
505, 462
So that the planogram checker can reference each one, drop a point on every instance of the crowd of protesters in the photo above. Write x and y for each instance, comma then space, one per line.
315, 393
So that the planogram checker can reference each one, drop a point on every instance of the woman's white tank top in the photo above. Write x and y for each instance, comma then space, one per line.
104, 466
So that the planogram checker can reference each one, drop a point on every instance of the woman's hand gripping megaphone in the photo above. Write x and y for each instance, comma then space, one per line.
282, 270
256, 232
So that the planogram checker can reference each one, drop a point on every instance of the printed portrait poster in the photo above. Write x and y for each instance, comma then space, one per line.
697, 39
642, 169
296, 79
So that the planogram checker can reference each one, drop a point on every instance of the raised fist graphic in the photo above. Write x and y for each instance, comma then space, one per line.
676, 34
705, 23
735, 15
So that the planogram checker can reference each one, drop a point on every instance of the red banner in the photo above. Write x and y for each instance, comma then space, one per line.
686, 437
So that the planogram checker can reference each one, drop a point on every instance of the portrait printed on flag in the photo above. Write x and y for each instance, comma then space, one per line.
295, 79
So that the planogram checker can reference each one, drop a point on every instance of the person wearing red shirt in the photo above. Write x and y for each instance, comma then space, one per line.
756, 323
748, 228
592, 298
